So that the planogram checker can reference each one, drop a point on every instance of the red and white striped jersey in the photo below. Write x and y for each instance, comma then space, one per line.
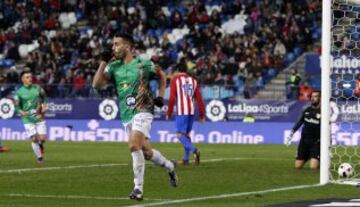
183, 90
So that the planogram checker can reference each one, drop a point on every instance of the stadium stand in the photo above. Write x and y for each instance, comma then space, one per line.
236, 47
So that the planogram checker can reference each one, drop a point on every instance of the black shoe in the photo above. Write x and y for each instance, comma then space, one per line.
136, 194
40, 160
173, 177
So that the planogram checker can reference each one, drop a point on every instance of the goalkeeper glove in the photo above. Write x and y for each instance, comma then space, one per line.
159, 101
289, 138
106, 55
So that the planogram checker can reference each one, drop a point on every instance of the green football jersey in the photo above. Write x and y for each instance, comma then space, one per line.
28, 98
132, 85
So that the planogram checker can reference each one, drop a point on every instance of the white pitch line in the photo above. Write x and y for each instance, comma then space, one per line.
72, 197
241, 158
123, 164
60, 168
225, 195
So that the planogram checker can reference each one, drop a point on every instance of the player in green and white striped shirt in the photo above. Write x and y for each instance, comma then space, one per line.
30, 103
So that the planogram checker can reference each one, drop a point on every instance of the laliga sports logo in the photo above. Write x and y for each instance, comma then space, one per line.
215, 110
7, 108
108, 109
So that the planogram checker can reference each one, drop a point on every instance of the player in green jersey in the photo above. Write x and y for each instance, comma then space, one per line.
30, 103
130, 75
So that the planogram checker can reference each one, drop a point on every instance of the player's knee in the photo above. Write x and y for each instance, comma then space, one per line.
134, 147
42, 138
148, 155
298, 165
34, 138
178, 135
314, 167
187, 147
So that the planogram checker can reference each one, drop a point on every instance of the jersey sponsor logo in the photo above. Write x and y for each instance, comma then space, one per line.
7, 108
215, 110
130, 101
312, 121
108, 109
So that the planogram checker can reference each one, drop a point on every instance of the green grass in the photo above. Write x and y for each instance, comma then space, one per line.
256, 168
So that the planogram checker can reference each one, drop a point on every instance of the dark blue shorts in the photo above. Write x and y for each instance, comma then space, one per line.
184, 123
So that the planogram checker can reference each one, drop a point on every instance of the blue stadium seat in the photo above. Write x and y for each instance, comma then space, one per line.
9, 62
297, 51
316, 34
79, 15
2, 62
290, 57
151, 33
210, 92
355, 37
159, 33
183, 10
224, 93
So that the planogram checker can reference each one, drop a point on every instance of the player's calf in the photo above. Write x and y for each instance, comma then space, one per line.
197, 156
173, 176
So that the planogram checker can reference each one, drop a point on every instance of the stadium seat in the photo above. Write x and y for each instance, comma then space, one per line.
355, 37
9, 62
297, 51
290, 57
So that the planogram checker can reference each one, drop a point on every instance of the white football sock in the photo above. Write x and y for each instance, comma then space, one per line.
36, 149
159, 159
138, 168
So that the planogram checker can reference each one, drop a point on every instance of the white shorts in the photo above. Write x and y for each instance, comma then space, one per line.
140, 122
33, 129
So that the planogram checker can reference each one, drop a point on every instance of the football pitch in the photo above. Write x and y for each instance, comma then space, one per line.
100, 174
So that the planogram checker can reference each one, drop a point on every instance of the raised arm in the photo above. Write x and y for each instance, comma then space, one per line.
162, 77
299, 122
100, 79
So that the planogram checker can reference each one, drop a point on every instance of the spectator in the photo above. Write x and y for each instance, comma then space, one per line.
305, 92
79, 85
79, 44
293, 83
12, 75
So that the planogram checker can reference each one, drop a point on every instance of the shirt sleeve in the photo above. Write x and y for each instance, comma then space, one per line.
200, 102
149, 66
299, 122
108, 71
17, 102
173, 96
43, 95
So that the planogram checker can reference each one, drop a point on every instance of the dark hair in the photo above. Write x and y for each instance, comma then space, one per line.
25, 71
181, 66
125, 36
